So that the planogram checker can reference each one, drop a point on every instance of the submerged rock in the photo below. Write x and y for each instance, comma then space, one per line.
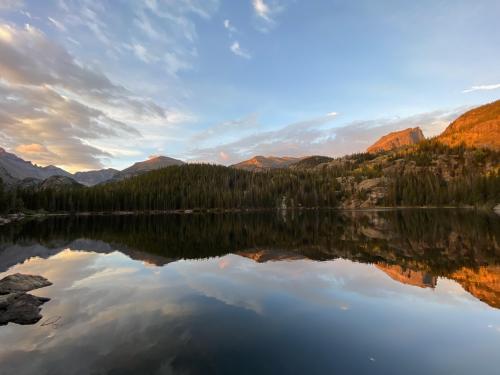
16, 305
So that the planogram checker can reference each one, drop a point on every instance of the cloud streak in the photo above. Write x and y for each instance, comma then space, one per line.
266, 11
319, 136
238, 51
482, 88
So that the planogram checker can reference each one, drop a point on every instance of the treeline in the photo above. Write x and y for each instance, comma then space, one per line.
428, 189
429, 174
196, 186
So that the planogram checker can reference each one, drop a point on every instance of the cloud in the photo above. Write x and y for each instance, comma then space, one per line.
229, 26
482, 88
49, 99
266, 11
261, 9
318, 137
57, 24
228, 128
238, 51
159, 27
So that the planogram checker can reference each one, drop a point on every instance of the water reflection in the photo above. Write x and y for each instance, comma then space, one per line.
319, 292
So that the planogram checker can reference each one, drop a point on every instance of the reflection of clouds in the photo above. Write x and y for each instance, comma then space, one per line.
115, 310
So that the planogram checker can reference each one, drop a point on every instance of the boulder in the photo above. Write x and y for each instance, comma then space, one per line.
16, 305
22, 283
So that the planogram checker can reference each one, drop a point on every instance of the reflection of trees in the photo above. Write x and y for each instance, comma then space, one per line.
411, 246
436, 241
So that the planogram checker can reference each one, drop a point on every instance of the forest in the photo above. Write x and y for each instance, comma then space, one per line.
429, 174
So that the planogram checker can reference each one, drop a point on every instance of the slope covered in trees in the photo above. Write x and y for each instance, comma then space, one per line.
427, 174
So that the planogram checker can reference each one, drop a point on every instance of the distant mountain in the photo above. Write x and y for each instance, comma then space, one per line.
58, 182
479, 127
262, 163
16, 171
19, 169
92, 178
397, 139
311, 162
146, 166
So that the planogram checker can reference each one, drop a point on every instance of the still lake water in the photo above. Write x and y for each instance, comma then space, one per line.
390, 292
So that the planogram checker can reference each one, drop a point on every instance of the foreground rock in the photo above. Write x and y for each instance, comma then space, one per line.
16, 305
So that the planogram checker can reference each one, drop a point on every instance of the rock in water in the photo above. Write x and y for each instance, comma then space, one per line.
22, 283
20, 308
16, 305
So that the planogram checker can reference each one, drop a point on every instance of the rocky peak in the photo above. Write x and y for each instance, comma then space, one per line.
479, 127
397, 139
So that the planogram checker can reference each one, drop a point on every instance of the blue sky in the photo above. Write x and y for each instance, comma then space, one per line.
87, 84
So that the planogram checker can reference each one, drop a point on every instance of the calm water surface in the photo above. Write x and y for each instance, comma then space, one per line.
263, 293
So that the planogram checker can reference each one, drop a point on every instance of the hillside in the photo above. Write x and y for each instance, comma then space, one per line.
91, 178
479, 127
397, 139
15, 168
146, 166
262, 163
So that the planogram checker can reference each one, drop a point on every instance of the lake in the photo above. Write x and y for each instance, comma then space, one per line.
299, 292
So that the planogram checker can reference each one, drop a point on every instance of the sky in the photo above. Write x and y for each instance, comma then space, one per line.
104, 83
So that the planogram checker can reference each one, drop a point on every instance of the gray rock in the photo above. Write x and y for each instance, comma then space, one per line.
20, 308
22, 283
16, 305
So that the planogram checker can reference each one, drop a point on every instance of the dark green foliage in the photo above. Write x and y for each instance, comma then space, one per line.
195, 186
428, 189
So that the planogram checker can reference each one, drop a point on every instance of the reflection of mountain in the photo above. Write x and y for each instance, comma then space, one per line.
269, 255
483, 283
408, 276
411, 246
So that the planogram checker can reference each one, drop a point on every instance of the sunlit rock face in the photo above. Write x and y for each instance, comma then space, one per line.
268, 255
408, 276
479, 127
482, 283
398, 139
263, 163
153, 163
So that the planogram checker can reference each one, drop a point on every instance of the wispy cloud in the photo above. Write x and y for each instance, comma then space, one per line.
261, 9
320, 136
266, 11
229, 26
482, 88
238, 51
51, 102
57, 24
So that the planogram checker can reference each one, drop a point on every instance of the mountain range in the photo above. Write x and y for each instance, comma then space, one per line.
479, 127
16, 171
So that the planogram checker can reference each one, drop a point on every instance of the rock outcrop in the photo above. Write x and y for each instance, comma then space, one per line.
479, 127
397, 139
17, 306
263, 163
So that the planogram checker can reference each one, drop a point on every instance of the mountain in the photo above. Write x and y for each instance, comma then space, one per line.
311, 162
92, 178
19, 169
262, 163
397, 139
479, 127
58, 182
408, 276
146, 166
16, 171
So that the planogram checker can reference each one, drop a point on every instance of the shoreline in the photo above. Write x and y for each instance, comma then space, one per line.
17, 217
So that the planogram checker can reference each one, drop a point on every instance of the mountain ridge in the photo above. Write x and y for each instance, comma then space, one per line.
397, 139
